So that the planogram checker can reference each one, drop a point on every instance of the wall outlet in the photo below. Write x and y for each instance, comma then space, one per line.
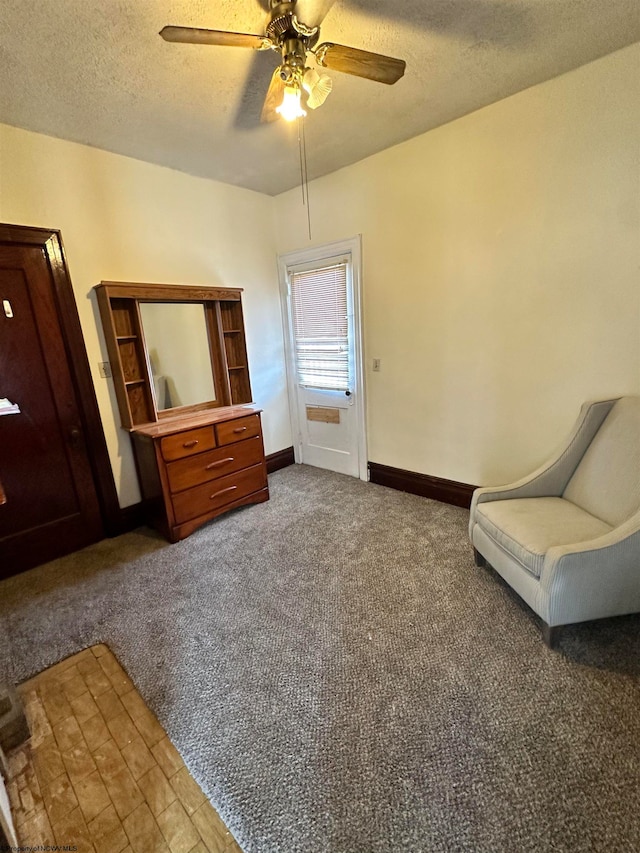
105, 369
376, 365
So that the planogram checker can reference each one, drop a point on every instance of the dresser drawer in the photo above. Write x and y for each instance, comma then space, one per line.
215, 463
236, 430
201, 500
187, 443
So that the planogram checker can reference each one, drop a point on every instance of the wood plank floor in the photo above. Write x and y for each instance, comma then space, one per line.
99, 771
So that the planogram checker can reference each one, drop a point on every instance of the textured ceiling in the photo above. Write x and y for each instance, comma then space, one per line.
96, 72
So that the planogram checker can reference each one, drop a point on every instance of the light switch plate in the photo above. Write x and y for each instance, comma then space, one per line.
376, 365
105, 369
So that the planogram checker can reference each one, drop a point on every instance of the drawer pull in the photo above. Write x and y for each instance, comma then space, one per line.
222, 492
191, 443
217, 464
240, 429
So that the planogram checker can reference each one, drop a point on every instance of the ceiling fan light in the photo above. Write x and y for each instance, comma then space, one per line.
290, 109
318, 87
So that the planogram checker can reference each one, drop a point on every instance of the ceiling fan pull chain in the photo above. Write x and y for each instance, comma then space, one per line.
302, 187
306, 176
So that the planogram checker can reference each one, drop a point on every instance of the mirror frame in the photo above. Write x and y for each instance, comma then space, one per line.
119, 304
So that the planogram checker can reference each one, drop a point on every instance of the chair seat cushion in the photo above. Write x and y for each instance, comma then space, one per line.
527, 527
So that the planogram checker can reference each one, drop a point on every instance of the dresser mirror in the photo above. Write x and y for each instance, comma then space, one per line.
177, 341
174, 349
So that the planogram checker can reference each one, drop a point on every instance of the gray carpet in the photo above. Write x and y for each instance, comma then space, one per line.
340, 678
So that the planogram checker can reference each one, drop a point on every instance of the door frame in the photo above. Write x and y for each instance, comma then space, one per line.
50, 241
353, 247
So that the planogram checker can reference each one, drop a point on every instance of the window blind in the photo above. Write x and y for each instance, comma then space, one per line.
320, 326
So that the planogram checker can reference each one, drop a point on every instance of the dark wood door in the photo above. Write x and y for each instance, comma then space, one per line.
50, 503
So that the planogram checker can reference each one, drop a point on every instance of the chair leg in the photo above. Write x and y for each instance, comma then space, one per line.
551, 634
481, 563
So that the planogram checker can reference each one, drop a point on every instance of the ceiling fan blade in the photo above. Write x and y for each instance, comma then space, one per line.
193, 35
361, 63
313, 12
274, 97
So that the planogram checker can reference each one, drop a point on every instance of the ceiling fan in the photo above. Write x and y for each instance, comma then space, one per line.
293, 80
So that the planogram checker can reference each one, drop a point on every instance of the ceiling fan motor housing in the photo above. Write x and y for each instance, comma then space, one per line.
284, 25
280, 21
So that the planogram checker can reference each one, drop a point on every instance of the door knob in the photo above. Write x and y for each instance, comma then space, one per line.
347, 393
74, 436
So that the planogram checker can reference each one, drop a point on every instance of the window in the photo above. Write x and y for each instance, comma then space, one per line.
320, 326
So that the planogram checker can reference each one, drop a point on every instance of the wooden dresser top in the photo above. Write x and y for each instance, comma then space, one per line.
179, 423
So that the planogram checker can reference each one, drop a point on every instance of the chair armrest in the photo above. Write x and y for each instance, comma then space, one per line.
594, 579
551, 478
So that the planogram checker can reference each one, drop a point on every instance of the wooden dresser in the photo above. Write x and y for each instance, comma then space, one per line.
193, 468
181, 377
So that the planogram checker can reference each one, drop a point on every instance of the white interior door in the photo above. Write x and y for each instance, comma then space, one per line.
322, 308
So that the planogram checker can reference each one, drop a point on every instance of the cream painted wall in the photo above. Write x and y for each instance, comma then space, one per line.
501, 258
125, 220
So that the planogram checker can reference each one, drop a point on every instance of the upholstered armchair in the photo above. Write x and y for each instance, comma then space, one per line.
567, 537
